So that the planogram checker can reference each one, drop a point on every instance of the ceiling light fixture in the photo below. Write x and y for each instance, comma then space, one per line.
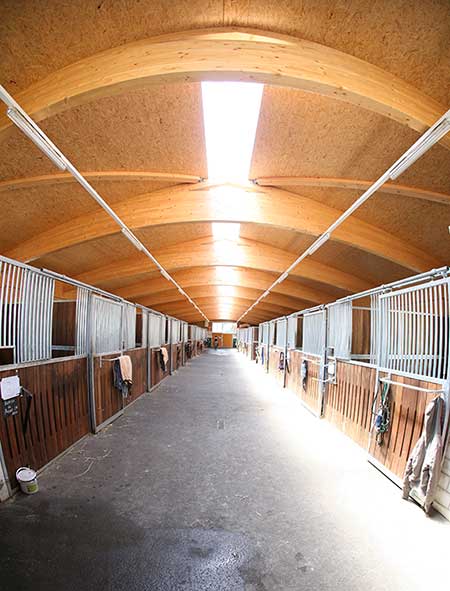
423, 144
39, 140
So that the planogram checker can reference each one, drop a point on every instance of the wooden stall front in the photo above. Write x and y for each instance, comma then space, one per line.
58, 415
157, 373
140, 383
309, 392
274, 364
108, 400
177, 356
406, 423
348, 404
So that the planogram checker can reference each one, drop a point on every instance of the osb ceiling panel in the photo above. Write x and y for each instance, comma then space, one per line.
405, 38
159, 237
422, 223
334, 254
303, 134
331, 289
96, 253
158, 129
280, 238
362, 264
75, 260
116, 284
38, 208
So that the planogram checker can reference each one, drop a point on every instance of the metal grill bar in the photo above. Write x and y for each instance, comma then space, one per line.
414, 330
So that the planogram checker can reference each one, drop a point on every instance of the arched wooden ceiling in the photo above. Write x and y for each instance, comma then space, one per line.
117, 89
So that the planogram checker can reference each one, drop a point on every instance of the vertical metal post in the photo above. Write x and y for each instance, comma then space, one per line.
169, 320
90, 359
324, 363
148, 352
285, 350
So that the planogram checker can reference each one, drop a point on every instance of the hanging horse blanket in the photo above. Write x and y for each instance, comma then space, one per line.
423, 467
123, 374
163, 358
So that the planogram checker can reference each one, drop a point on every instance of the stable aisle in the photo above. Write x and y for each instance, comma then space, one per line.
219, 480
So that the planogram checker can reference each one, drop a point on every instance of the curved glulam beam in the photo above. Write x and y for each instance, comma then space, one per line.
229, 315
226, 291
205, 252
230, 54
218, 276
217, 203
50, 180
214, 302
352, 184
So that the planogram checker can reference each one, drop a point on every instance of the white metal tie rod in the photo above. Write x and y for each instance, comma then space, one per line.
24, 122
422, 145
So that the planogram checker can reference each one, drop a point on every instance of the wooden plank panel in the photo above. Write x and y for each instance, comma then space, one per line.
108, 400
157, 373
58, 416
348, 402
407, 416
274, 361
139, 363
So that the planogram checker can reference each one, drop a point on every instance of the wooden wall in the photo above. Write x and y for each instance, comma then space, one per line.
177, 356
63, 327
360, 331
407, 417
157, 374
274, 361
140, 384
59, 413
225, 339
348, 403
108, 400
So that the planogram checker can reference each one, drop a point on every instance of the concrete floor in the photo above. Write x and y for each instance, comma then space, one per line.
219, 480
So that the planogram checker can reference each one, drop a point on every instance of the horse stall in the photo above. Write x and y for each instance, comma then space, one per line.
59, 342
382, 353
159, 348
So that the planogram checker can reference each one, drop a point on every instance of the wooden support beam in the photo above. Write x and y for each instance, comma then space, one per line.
230, 54
354, 185
205, 252
236, 203
217, 276
213, 303
228, 291
49, 180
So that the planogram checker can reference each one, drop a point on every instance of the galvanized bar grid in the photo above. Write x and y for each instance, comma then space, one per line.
414, 330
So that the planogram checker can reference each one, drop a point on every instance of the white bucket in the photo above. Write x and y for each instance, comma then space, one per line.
27, 478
